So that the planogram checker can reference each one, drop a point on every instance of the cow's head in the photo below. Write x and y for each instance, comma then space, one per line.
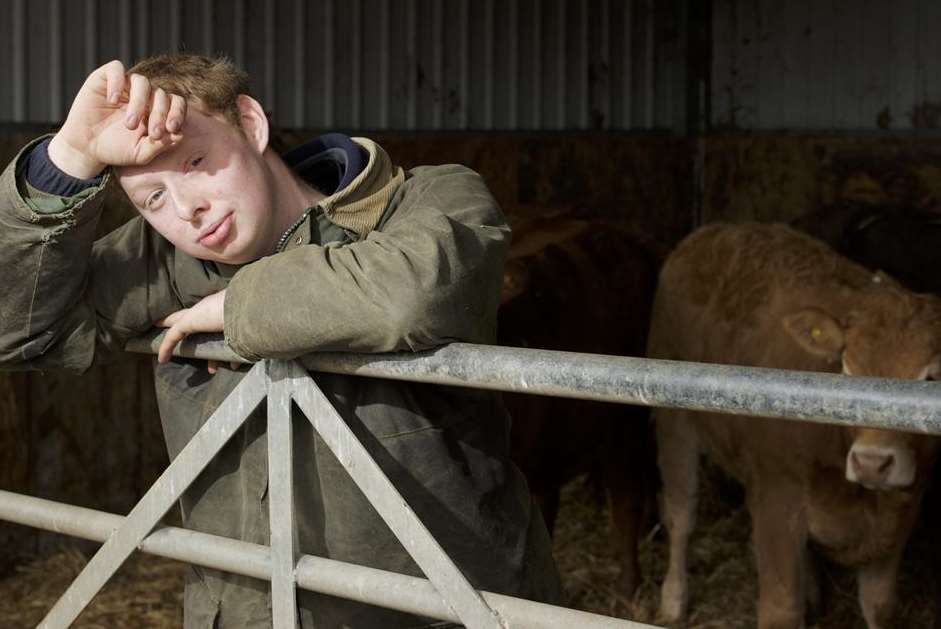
899, 340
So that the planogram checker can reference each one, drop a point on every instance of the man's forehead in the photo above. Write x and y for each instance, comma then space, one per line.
134, 179
195, 133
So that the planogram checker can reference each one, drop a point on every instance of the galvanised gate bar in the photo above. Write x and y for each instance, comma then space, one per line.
894, 404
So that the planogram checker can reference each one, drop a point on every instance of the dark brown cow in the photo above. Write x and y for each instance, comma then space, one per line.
903, 242
575, 286
769, 296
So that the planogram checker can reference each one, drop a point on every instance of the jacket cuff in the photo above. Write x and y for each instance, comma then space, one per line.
233, 324
43, 175
35, 206
47, 203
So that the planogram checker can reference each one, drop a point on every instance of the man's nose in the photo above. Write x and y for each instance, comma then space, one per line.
189, 206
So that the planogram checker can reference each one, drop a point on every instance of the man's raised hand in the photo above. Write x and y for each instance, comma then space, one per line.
116, 120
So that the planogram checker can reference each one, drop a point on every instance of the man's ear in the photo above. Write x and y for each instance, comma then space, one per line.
816, 332
254, 122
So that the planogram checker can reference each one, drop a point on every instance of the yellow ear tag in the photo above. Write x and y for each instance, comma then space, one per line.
816, 333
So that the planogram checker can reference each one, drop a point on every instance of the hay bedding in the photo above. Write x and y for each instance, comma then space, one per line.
147, 592
722, 579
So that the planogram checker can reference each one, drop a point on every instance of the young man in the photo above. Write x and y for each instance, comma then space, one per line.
330, 248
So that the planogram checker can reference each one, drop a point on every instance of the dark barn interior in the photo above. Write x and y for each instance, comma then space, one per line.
643, 117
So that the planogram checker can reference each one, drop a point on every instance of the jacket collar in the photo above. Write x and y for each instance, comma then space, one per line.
355, 173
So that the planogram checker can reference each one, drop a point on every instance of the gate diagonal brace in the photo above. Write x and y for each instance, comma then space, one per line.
146, 514
444, 575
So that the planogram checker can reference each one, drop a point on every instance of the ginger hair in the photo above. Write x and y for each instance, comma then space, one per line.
212, 83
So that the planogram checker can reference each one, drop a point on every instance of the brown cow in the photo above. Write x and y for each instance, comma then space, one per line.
768, 296
576, 286
904, 242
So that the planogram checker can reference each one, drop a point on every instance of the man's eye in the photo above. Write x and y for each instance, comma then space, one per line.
196, 161
153, 198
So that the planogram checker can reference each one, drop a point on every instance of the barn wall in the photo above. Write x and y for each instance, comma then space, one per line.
813, 104
373, 64
777, 177
834, 65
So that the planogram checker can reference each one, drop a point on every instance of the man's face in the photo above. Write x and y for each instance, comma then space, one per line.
210, 195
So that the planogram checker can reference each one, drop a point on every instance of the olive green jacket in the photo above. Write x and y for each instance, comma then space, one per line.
395, 261
430, 274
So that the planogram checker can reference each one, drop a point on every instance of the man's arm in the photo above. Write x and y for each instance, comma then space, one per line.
68, 301
431, 275
33, 246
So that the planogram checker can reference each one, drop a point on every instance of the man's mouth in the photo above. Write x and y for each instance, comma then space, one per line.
217, 232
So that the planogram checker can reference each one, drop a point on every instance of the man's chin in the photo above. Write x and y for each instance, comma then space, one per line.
207, 255
230, 254
232, 258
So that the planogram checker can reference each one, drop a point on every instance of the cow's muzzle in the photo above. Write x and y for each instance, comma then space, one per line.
880, 467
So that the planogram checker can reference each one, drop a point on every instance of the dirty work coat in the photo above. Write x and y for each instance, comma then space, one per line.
395, 261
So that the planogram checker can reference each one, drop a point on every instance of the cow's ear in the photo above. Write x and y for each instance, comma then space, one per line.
817, 332
515, 281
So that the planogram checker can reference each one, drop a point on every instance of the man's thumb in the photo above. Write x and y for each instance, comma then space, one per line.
170, 319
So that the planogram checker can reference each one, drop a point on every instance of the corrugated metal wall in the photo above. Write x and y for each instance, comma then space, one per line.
826, 64
373, 64
503, 64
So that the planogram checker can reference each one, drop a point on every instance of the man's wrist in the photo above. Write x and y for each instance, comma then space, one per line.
71, 162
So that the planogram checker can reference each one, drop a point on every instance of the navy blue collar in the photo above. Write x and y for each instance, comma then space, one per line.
329, 163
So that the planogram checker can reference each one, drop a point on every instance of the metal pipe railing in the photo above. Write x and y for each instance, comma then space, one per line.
367, 585
797, 395
829, 398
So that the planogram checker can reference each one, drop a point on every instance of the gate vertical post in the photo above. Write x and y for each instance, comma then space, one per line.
281, 496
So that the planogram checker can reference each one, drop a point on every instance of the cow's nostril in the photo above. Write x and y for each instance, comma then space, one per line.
887, 463
871, 464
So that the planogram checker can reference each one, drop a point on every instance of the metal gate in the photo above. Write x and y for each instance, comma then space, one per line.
446, 594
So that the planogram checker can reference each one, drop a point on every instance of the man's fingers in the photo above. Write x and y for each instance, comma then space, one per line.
138, 99
173, 336
212, 366
177, 113
148, 148
160, 134
206, 316
159, 107
114, 81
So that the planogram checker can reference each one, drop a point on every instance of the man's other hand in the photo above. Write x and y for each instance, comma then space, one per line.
206, 316
116, 120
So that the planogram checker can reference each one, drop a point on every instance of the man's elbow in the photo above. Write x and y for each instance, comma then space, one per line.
432, 322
